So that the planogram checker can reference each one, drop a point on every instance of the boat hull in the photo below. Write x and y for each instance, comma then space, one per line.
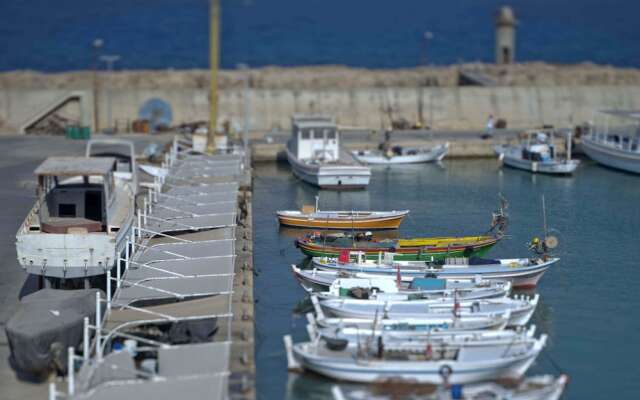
611, 157
477, 249
374, 370
360, 224
566, 167
330, 176
520, 277
377, 158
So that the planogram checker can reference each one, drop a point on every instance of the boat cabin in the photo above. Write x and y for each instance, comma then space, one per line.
315, 137
539, 147
75, 195
618, 129
124, 153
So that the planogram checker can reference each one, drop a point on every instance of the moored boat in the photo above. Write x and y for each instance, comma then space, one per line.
80, 221
538, 153
388, 288
313, 217
521, 272
402, 155
521, 308
314, 155
456, 363
615, 145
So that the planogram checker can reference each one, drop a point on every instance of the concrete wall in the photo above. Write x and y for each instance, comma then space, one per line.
443, 108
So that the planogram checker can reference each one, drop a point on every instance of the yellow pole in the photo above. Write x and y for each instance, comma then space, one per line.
214, 57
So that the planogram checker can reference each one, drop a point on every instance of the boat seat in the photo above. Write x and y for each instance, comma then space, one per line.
70, 225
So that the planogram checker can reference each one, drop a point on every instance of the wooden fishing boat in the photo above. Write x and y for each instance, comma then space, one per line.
385, 287
455, 363
320, 244
436, 248
521, 308
415, 326
521, 272
313, 217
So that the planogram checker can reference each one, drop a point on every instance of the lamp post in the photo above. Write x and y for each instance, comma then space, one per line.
96, 46
426, 36
246, 113
214, 59
109, 59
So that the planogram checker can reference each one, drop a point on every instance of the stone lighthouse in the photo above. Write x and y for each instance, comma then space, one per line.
505, 36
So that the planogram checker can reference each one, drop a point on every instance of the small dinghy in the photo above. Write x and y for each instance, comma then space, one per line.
402, 155
521, 272
539, 387
521, 308
388, 288
452, 362
537, 153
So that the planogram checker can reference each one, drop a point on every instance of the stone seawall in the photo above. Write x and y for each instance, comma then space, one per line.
440, 108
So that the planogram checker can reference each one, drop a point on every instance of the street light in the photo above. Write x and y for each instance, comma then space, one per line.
426, 36
96, 46
109, 59
245, 97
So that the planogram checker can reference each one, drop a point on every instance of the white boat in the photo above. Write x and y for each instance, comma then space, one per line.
344, 336
402, 155
521, 308
80, 221
538, 153
314, 155
414, 326
316, 280
615, 143
457, 363
388, 288
539, 387
521, 272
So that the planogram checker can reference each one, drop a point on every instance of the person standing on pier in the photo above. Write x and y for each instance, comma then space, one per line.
490, 126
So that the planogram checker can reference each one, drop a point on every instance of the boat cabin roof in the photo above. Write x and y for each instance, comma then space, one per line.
73, 166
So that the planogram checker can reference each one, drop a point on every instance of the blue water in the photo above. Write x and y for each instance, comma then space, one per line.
589, 305
56, 35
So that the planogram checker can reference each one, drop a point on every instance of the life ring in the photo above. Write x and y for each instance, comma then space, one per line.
445, 372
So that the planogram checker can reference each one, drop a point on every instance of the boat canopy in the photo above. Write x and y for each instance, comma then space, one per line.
74, 166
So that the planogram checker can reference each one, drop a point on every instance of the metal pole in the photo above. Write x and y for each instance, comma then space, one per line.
97, 44
109, 60
214, 27
85, 340
108, 290
98, 326
52, 391
71, 387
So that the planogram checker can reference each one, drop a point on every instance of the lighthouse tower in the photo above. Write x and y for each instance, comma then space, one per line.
505, 36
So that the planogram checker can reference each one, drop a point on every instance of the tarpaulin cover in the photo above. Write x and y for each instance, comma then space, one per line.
45, 324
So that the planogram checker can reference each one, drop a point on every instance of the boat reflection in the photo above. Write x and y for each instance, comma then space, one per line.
298, 232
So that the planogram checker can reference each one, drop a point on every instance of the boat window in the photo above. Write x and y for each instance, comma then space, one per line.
304, 134
331, 134
317, 134
66, 210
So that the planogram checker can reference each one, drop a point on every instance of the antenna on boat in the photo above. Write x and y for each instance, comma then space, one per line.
317, 201
500, 218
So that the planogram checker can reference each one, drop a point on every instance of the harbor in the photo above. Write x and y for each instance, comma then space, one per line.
300, 207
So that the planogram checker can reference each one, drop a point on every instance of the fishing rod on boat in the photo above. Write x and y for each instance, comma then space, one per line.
549, 242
